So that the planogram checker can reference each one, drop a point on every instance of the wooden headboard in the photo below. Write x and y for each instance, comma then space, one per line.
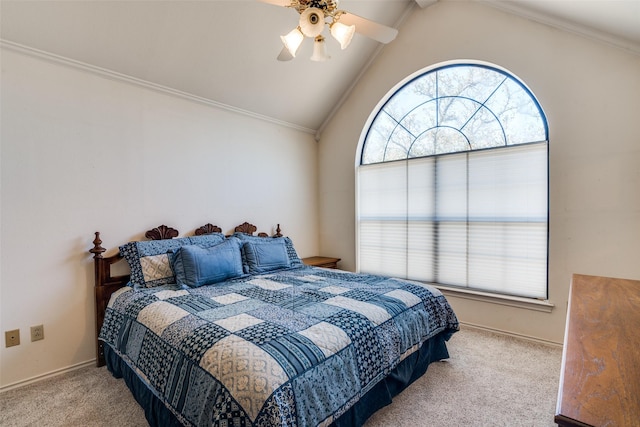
106, 284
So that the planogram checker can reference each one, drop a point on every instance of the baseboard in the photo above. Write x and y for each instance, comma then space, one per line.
510, 334
464, 325
47, 375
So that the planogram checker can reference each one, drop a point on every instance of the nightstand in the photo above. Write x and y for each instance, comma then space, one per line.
321, 261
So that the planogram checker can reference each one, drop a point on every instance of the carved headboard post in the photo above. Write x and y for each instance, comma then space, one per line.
97, 250
278, 232
106, 284
98, 259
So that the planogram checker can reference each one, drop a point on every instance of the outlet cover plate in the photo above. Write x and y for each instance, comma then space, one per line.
12, 338
37, 333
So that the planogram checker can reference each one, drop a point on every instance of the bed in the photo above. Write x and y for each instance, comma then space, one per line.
234, 330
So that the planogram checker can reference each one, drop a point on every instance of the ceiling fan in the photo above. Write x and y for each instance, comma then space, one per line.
314, 15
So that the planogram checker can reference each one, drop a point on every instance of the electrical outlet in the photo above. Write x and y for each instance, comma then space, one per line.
12, 338
37, 333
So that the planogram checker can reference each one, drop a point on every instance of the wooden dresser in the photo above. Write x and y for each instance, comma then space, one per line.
600, 377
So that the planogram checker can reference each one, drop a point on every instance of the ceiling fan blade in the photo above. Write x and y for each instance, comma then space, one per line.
285, 55
368, 28
283, 3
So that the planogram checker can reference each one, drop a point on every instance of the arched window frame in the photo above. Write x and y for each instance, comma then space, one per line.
360, 157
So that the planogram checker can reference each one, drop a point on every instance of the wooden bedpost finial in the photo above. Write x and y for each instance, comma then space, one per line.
278, 231
97, 249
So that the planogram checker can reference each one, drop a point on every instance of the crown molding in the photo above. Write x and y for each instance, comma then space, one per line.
582, 30
425, 3
113, 75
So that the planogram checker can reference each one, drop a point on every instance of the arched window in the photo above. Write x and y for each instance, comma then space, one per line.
453, 182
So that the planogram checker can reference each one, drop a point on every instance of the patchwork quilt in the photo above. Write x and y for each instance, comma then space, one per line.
295, 347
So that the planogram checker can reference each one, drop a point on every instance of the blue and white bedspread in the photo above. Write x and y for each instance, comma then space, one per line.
292, 348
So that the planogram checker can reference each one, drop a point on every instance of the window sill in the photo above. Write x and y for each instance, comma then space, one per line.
511, 301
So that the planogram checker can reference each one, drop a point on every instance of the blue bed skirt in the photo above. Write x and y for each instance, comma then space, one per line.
409, 370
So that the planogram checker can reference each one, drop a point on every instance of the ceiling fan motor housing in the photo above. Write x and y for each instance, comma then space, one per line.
327, 6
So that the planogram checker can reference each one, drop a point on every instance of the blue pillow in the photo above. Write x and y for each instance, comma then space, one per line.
149, 260
207, 240
261, 256
195, 266
294, 259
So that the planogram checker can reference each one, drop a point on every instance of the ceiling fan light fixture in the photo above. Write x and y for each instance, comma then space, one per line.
312, 21
342, 33
315, 14
293, 40
319, 50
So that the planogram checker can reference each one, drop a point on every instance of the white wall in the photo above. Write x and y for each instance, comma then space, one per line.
590, 92
83, 153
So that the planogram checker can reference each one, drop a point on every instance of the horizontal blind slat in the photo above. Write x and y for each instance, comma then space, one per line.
473, 219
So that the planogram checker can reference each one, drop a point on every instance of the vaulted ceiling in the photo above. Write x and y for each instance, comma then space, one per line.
224, 52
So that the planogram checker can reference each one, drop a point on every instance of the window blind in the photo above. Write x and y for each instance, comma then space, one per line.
474, 219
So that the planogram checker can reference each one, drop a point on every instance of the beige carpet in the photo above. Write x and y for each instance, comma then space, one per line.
490, 380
